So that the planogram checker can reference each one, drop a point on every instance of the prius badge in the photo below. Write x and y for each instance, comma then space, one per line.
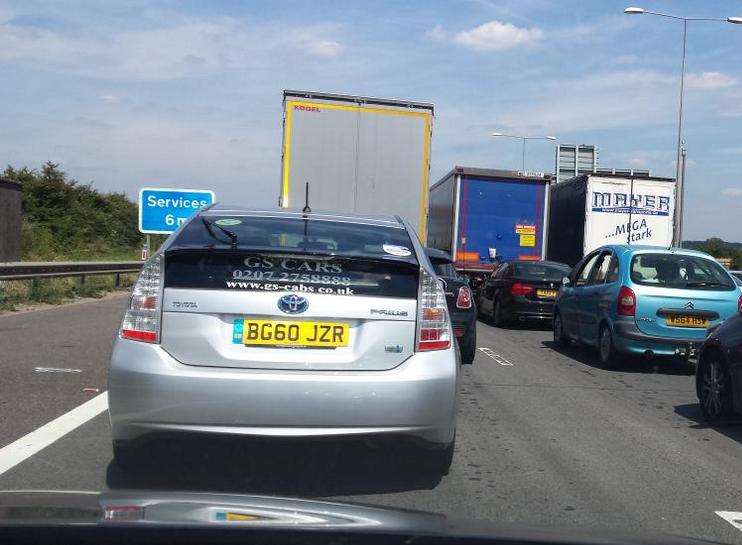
293, 304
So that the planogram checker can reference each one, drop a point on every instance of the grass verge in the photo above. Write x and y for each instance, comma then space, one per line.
57, 290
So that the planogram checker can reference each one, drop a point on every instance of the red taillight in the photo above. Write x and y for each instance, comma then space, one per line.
521, 289
138, 335
142, 319
626, 302
433, 330
739, 304
464, 298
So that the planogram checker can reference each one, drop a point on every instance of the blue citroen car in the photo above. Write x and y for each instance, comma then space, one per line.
643, 301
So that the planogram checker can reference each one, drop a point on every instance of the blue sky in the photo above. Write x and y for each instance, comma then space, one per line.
127, 94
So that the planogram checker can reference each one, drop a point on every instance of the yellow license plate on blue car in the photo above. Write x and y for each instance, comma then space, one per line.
685, 320
291, 333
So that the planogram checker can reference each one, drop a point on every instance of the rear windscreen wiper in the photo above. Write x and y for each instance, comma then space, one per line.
232, 236
704, 284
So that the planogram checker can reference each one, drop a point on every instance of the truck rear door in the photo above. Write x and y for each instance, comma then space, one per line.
626, 211
501, 218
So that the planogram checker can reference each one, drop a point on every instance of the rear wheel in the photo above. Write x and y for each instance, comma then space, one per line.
560, 339
608, 356
468, 346
438, 461
124, 455
714, 389
498, 318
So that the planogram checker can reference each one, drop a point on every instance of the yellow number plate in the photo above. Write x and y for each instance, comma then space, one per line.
683, 320
547, 294
294, 333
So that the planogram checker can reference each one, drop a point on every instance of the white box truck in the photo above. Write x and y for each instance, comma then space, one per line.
591, 210
358, 154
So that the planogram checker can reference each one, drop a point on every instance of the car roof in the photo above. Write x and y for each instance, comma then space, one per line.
219, 209
541, 261
434, 253
631, 248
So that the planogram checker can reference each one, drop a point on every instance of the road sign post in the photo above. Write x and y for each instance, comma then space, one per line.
163, 210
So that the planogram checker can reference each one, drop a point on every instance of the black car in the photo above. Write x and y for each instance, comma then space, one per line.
460, 302
719, 370
521, 290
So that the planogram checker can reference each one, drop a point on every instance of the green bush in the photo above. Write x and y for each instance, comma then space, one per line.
64, 220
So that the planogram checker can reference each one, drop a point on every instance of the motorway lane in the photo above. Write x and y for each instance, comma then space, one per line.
550, 440
76, 336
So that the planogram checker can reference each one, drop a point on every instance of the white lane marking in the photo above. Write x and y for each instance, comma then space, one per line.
56, 370
497, 357
28, 445
732, 517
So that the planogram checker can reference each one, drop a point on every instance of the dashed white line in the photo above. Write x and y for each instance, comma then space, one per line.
497, 357
56, 370
732, 517
28, 445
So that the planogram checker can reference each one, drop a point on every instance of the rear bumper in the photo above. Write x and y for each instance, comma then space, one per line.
525, 309
151, 392
628, 338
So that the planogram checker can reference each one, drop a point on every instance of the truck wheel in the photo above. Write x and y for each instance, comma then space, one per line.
608, 356
468, 346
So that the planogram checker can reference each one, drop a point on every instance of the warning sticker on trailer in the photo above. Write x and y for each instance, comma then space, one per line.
527, 240
525, 229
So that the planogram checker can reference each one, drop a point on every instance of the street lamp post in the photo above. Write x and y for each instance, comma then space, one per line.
523, 138
680, 155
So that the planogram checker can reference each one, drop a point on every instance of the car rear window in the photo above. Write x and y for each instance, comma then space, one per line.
540, 271
297, 235
246, 253
444, 268
679, 271
239, 271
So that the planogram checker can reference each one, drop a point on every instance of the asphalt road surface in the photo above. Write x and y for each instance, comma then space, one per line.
545, 438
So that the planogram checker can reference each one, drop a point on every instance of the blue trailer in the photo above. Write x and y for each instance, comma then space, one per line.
484, 216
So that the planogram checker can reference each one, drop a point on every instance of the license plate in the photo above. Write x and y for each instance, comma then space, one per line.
547, 294
684, 320
290, 333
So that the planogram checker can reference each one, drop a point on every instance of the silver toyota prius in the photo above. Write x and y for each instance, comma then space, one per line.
278, 323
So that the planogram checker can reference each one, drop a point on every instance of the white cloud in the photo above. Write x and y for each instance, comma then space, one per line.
325, 48
626, 59
5, 14
498, 36
437, 34
110, 99
732, 191
709, 80
187, 47
595, 102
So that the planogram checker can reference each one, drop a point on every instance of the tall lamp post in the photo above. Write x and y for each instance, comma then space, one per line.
679, 174
523, 138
